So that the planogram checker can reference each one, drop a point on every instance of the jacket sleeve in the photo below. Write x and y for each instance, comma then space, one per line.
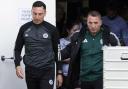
56, 48
65, 53
114, 40
18, 47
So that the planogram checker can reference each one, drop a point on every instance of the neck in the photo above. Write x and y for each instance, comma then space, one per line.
93, 34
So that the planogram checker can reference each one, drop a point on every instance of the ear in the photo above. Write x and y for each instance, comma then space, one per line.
101, 22
45, 13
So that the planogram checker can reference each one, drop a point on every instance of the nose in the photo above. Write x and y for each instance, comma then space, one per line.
93, 25
36, 16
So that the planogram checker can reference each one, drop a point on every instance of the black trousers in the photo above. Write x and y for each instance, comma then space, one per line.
98, 84
40, 79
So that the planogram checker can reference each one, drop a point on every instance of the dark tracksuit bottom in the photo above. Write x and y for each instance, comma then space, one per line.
40, 79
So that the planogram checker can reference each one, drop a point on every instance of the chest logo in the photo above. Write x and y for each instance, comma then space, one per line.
45, 35
85, 41
26, 35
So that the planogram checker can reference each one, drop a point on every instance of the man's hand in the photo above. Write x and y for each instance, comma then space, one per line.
59, 80
19, 72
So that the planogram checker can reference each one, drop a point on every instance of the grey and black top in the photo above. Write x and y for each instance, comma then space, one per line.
41, 45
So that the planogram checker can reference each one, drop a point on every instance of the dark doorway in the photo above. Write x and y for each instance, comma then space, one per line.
72, 9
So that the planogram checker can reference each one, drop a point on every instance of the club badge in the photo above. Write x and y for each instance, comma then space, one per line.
51, 82
45, 35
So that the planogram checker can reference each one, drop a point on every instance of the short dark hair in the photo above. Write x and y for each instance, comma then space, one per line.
39, 4
94, 14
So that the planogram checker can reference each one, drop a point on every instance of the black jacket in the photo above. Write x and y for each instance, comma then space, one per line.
41, 45
72, 51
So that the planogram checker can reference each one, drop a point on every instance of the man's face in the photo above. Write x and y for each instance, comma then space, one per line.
94, 24
38, 14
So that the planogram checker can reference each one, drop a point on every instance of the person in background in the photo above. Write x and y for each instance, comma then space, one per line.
40, 39
71, 28
86, 54
116, 24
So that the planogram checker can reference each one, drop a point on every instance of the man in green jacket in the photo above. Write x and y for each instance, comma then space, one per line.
85, 51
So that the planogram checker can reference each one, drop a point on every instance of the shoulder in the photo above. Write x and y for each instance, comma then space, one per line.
51, 28
26, 25
109, 37
106, 30
114, 41
104, 18
105, 27
120, 18
48, 25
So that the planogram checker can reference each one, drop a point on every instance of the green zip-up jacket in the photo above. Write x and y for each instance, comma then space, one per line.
73, 51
